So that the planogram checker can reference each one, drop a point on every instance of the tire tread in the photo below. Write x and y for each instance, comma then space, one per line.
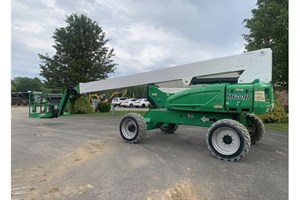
245, 133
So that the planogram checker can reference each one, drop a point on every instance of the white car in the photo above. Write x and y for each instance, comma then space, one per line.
128, 102
117, 101
142, 103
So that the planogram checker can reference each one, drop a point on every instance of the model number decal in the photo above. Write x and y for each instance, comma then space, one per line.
239, 96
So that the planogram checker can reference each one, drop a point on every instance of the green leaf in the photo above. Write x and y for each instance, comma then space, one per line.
81, 54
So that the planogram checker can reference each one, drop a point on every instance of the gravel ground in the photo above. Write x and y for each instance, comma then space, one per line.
84, 157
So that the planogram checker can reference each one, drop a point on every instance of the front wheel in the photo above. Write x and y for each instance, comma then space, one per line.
228, 140
133, 128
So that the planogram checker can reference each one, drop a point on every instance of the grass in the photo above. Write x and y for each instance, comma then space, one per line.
278, 126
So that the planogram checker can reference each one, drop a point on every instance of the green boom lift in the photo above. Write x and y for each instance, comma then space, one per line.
223, 94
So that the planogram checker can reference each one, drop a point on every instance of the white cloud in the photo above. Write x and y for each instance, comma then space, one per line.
28, 26
146, 35
49, 3
38, 44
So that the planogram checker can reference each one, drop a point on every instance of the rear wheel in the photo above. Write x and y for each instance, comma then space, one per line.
133, 128
169, 128
256, 128
228, 140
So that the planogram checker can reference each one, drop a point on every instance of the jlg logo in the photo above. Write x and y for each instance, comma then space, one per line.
239, 96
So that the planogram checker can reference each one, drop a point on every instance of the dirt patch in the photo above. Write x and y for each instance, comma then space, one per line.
84, 188
138, 161
46, 179
43, 131
84, 153
53, 190
181, 191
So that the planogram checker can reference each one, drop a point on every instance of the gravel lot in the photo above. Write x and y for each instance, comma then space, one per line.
84, 157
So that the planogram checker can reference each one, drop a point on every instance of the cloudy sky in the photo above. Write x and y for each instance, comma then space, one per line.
146, 35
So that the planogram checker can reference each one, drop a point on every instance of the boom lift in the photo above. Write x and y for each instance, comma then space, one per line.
227, 105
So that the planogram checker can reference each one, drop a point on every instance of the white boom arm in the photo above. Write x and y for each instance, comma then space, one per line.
253, 64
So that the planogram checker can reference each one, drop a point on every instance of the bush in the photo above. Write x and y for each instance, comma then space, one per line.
82, 105
277, 116
103, 106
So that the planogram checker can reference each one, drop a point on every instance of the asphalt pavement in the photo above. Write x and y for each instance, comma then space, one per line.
84, 157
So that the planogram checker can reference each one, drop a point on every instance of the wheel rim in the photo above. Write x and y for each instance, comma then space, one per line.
129, 128
226, 141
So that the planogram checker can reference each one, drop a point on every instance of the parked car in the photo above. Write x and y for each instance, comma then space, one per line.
117, 101
142, 103
128, 102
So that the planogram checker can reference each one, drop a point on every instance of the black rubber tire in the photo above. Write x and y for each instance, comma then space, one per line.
171, 129
143, 106
218, 144
133, 128
256, 128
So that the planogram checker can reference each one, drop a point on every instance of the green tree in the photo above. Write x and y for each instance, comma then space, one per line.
268, 28
81, 54
137, 91
24, 84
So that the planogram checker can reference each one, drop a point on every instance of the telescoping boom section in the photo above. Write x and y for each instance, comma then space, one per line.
250, 66
223, 94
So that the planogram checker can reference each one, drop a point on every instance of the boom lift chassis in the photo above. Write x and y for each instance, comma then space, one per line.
227, 105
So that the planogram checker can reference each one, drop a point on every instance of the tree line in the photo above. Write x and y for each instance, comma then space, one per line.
25, 84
